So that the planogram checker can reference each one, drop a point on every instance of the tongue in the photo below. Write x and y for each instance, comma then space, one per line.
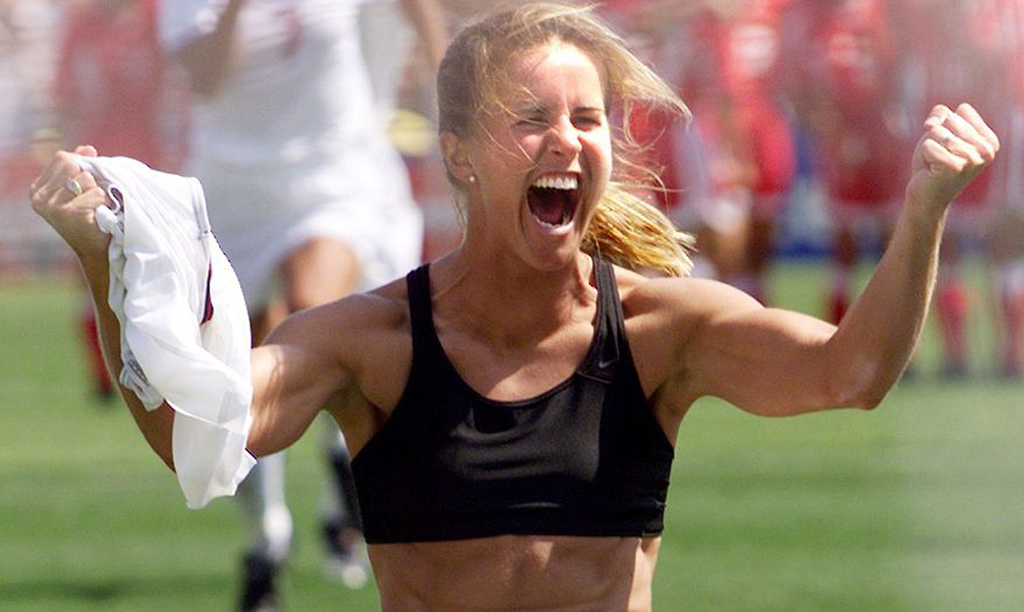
548, 205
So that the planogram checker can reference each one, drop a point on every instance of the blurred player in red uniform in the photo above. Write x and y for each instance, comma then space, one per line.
658, 32
849, 96
728, 173
951, 56
747, 45
111, 91
1000, 30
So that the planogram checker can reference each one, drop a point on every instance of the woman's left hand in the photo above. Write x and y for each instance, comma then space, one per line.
955, 147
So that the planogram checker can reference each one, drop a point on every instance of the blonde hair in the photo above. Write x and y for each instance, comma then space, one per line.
473, 74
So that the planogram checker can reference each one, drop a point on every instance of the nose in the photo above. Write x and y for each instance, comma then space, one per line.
564, 138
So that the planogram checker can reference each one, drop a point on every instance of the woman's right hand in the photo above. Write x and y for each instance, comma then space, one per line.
67, 198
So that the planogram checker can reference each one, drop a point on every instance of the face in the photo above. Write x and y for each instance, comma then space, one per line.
541, 165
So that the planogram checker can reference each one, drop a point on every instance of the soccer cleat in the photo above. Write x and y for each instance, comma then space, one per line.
259, 588
345, 561
955, 370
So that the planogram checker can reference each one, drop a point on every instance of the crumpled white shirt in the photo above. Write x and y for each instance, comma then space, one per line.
162, 257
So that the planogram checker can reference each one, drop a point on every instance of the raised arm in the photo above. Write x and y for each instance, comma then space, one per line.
774, 362
294, 375
207, 58
67, 198
427, 18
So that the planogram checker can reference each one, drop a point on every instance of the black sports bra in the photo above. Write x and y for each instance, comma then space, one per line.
586, 458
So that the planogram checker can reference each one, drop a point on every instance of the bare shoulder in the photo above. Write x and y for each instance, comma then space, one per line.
679, 301
352, 326
380, 310
366, 335
665, 317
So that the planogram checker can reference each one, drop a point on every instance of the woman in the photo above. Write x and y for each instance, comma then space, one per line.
521, 393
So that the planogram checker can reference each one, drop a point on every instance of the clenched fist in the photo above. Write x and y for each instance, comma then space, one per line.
67, 198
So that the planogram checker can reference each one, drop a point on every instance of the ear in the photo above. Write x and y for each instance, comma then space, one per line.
456, 158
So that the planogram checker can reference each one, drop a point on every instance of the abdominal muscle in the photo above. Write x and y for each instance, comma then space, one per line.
505, 573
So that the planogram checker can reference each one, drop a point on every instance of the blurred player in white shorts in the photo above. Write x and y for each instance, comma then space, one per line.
307, 197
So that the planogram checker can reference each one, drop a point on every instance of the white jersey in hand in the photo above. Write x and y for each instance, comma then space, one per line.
184, 327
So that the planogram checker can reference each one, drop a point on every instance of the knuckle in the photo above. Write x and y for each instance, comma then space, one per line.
38, 202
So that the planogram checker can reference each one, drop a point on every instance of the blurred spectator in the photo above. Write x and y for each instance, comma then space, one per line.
111, 91
26, 53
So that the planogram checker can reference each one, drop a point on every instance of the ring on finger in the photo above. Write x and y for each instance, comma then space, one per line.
74, 187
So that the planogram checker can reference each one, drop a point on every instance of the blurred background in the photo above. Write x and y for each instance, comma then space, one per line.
805, 113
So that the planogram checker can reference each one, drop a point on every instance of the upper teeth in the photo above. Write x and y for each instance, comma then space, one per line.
557, 182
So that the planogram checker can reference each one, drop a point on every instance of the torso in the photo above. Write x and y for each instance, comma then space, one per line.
286, 54
549, 574
544, 573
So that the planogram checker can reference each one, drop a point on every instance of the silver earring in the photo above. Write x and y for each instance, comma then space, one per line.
472, 178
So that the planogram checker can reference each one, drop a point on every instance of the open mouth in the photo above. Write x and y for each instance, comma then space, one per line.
553, 199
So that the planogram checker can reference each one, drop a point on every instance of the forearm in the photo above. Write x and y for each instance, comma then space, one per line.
207, 58
156, 426
428, 20
876, 338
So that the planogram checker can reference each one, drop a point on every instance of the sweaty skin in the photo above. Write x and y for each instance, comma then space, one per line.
514, 309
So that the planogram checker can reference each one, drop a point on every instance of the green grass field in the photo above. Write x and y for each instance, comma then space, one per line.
918, 506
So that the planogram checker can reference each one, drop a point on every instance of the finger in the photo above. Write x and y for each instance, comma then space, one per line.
91, 199
937, 157
956, 145
85, 180
86, 150
937, 116
44, 176
969, 114
65, 166
966, 132
79, 184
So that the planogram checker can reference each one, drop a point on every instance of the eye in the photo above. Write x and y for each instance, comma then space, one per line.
588, 121
531, 121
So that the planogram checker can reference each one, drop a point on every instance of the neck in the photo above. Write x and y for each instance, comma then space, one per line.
507, 300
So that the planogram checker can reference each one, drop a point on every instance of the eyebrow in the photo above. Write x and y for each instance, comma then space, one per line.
542, 109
